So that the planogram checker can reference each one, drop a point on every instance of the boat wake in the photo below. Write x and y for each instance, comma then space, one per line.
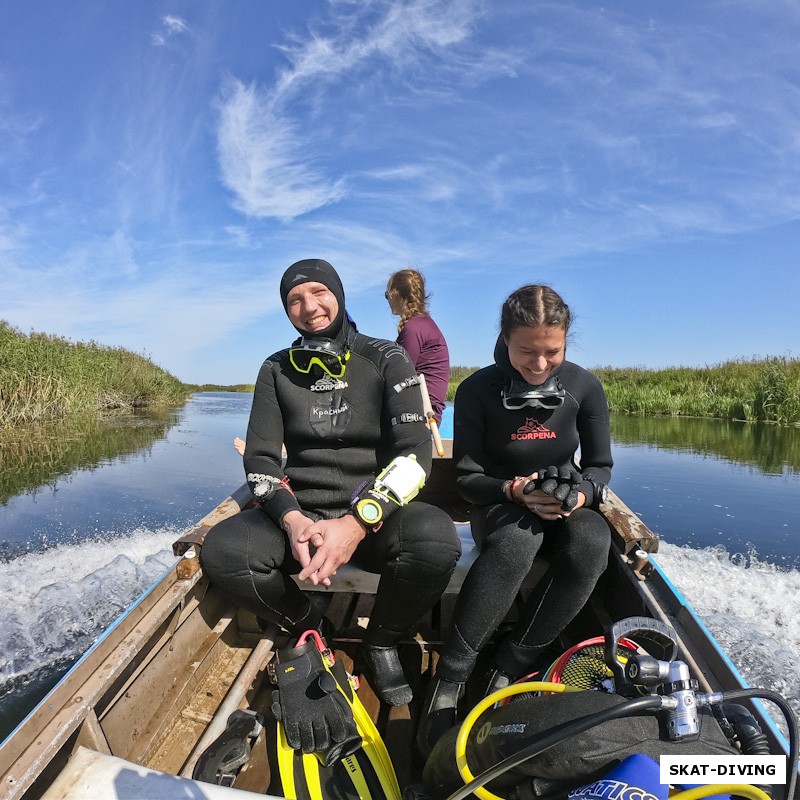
56, 603
750, 608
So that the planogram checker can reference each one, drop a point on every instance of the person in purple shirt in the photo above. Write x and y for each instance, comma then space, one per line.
419, 335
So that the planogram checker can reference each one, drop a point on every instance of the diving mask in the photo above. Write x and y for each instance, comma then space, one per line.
324, 353
518, 394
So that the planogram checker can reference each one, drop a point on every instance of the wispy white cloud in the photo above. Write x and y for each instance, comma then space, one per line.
262, 162
172, 316
396, 40
170, 26
175, 24
273, 162
457, 135
240, 235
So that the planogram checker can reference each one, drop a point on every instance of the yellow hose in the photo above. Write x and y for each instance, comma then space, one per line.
741, 790
487, 702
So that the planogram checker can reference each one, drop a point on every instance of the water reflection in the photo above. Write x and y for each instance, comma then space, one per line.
35, 456
771, 449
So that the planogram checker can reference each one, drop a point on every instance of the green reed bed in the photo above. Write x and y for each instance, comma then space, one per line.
756, 390
45, 377
457, 374
765, 390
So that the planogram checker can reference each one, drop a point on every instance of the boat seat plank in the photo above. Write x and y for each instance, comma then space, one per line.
91, 735
349, 578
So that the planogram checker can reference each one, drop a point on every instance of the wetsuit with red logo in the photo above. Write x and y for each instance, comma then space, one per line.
493, 444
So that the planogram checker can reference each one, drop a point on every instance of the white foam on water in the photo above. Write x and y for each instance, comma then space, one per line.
57, 602
751, 608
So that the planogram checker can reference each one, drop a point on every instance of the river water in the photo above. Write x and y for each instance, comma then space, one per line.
88, 511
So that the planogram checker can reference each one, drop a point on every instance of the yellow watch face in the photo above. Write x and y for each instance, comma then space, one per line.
369, 511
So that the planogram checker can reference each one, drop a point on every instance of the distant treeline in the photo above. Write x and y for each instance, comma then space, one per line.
215, 387
755, 390
44, 377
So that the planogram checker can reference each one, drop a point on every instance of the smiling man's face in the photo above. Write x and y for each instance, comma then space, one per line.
311, 306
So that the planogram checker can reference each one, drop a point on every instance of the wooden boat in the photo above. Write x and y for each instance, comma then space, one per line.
133, 715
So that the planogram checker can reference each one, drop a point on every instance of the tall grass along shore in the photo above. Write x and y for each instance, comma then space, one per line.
44, 377
755, 390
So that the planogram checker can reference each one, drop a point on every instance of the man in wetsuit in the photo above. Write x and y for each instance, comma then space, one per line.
343, 407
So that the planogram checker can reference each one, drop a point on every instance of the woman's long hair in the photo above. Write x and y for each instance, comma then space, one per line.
408, 286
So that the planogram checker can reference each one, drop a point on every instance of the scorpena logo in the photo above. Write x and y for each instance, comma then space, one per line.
532, 430
326, 384
611, 790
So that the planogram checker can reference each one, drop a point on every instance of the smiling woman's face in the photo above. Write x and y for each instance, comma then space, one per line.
311, 306
537, 352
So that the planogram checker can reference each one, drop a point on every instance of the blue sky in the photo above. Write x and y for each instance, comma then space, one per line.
162, 163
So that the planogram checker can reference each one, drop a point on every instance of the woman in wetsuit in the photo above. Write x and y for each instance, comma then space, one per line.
345, 406
516, 421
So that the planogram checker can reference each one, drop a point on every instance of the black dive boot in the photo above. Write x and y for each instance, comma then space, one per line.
439, 712
386, 673
511, 661
497, 680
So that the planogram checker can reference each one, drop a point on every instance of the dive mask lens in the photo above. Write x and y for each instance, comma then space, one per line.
517, 394
323, 353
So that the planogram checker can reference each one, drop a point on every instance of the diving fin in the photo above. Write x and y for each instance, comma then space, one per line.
365, 772
221, 761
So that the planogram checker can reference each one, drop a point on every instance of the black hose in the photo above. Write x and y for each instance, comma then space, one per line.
745, 729
640, 704
791, 722
752, 739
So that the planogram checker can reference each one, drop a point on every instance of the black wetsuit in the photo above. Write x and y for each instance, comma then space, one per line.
492, 445
338, 434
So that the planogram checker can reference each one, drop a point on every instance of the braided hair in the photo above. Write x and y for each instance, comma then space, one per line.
408, 286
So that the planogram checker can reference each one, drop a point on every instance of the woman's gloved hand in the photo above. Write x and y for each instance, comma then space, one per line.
560, 483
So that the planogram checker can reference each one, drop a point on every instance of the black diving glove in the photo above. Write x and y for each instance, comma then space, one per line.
315, 715
560, 483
